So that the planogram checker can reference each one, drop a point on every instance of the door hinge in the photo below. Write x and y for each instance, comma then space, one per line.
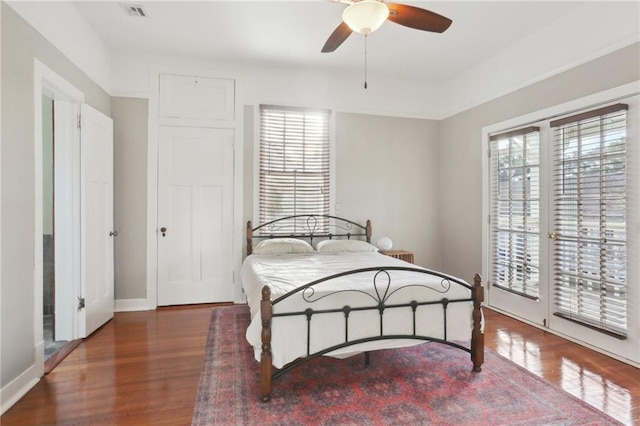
489, 219
79, 121
80, 303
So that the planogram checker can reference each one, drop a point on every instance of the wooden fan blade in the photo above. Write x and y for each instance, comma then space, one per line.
337, 37
415, 17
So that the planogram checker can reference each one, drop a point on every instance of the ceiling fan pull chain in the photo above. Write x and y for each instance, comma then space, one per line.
365, 61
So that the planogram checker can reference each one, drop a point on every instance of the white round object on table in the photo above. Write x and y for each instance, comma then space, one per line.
384, 243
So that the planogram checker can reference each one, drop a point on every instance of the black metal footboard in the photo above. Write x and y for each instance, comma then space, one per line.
380, 294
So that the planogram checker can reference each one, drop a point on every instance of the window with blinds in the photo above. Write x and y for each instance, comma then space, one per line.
589, 217
515, 211
294, 164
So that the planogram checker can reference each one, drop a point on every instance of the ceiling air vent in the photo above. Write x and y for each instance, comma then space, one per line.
134, 10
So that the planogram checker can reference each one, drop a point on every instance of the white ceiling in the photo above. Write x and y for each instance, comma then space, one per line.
291, 34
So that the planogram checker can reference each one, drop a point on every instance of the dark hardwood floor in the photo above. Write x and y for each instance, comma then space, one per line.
607, 384
142, 368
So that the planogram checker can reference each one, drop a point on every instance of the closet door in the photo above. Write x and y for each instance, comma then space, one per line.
195, 215
196, 131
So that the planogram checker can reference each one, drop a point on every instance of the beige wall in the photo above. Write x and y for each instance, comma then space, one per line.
247, 168
130, 118
20, 45
387, 170
460, 201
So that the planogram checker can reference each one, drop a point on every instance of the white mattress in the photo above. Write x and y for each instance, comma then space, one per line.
283, 273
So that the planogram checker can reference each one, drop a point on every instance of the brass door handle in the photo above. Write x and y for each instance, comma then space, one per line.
553, 235
164, 231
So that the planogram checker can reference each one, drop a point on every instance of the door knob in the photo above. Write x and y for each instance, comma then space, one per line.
113, 233
553, 235
164, 231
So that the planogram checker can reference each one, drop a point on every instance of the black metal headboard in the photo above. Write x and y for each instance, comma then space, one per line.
308, 227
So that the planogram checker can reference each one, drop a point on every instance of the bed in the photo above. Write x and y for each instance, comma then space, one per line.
315, 287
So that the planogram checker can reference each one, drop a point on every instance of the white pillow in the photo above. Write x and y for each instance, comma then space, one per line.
282, 246
343, 246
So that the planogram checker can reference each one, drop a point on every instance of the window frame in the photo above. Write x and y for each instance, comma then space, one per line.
626, 350
255, 158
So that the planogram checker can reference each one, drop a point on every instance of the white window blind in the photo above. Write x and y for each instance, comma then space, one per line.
294, 163
515, 216
589, 215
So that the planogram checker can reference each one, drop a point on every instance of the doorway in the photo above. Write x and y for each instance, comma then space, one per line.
52, 345
81, 221
56, 233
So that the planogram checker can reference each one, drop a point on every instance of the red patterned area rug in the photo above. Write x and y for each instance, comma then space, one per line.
424, 384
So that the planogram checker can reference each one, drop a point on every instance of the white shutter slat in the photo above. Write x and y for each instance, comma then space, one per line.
589, 213
515, 211
294, 163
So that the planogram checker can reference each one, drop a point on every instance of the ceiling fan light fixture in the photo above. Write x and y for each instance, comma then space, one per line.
365, 16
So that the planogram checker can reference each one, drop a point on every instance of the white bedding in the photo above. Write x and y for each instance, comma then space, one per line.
283, 273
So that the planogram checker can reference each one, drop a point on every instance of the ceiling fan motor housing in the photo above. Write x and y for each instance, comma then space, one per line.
365, 16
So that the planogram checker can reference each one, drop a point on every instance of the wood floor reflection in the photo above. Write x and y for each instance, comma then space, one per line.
605, 383
142, 368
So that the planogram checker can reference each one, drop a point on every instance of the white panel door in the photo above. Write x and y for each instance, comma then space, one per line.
195, 215
97, 233
518, 214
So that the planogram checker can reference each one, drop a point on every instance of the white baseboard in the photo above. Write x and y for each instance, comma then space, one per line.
39, 356
18, 387
128, 305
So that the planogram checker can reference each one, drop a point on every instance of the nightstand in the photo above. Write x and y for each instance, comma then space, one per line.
405, 255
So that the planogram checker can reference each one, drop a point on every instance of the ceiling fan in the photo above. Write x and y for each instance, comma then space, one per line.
366, 16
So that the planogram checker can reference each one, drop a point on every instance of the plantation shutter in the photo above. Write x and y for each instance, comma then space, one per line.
589, 215
294, 163
515, 211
